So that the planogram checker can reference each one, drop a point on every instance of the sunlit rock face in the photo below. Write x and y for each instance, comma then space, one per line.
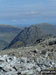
11, 65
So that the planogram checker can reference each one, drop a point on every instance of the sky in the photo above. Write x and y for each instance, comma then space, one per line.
27, 12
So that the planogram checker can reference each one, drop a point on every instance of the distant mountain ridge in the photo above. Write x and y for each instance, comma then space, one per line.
7, 33
30, 35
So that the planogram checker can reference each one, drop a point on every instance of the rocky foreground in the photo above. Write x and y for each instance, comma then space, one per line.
30, 60
11, 65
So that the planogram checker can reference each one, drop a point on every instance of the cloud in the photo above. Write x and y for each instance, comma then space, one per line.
14, 20
30, 10
28, 14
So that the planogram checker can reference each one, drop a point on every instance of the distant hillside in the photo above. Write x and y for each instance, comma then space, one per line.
47, 28
7, 33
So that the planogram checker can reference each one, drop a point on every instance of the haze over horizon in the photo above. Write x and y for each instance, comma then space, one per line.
22, 12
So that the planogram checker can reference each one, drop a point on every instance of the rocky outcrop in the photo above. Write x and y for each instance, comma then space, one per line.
10, 65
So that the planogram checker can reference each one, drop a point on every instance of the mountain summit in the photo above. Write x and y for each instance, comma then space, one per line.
28, 36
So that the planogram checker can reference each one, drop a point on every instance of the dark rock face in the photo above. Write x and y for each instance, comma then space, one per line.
43, 52
52, 42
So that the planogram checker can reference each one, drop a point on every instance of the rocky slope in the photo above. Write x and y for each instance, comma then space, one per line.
30, 60
32, 64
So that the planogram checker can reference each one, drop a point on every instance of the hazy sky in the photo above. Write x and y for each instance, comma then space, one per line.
27, 11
